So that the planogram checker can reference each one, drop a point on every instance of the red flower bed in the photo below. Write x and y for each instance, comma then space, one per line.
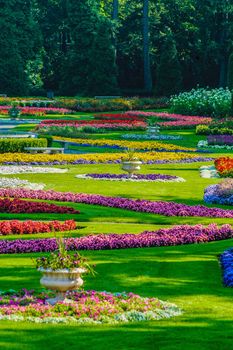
36, 110
16, 227
23, 206
224, 166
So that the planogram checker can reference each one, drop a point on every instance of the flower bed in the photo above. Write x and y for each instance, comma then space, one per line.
24, 206
15, 227
224, 166
142, 206
220, 140
36, 111
135, 177
136, 145
176, 235
205, 144
86, 307
23, 169
116, 158
176, 121
220, 194
151, 137
226, 260
7, 182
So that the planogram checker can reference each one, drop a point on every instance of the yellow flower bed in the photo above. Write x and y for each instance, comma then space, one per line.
98, 158
137, 145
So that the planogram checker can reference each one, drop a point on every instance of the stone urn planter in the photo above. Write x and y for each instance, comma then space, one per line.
131, 166
61, 281
153, 130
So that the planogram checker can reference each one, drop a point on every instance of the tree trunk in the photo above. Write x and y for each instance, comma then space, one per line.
146, 48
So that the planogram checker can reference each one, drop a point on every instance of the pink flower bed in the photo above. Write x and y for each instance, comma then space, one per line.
16, 227
36, 110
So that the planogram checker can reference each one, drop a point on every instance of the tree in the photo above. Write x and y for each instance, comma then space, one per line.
146, 48
230, 73
90, 66
169, 76
19, 42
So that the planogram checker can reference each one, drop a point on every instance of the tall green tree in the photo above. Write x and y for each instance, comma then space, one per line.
146, 48
169, 76
230, 73
19, 42
90, 66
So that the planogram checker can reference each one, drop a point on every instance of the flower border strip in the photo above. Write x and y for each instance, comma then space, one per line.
226, 260
141, 206
176, 235
134, 178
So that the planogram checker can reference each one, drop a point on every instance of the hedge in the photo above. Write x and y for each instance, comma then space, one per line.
13, 145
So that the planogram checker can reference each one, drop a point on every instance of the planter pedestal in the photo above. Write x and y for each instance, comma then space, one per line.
131, 166
61, 281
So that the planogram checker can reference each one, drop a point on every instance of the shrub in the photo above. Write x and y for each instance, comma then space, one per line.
215, 102
18, 145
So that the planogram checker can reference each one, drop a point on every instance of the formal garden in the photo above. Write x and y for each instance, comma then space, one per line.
116, 175
115, 226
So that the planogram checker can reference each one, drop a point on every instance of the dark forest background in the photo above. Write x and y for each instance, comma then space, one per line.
108, 47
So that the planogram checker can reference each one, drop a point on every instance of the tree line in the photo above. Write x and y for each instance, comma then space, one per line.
111, 47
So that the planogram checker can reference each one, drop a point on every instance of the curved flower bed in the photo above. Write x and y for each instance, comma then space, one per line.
96, 158
7, 182
87, 307
15, 227
23, 206
226, 260
143, 206
176, 235
139, 137
134, 178
215, 194
224, 166
24, 169
137, 145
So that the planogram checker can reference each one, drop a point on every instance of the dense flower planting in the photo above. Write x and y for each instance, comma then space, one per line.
62, 159
15, 227
86, 307
36, 111
135, 177
137, 145
24, 169
139, 137
205, 144
220, 140
215, 102
224, 166
176, 235
22, 206
143, 206
7, 182
175, 121
221, 193
226, 260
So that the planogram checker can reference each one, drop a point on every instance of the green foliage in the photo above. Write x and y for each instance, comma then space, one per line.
230, 72
211, 130
169, 77
90, 66
18, 145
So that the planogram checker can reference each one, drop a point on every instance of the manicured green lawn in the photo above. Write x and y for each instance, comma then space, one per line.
188, 275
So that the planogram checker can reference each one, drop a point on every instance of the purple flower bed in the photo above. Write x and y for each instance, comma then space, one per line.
176, 235
227, 266
143, 206
135, 177
83, 161
213, 195
220, 140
